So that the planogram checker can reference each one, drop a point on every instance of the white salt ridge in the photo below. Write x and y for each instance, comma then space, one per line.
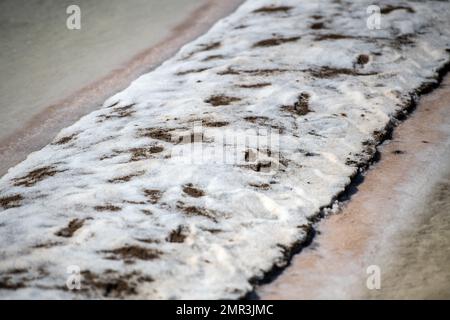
238, 231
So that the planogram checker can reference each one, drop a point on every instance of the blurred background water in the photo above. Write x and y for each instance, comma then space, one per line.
41, 60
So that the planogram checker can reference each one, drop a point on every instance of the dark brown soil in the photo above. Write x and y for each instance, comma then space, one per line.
195, 211
333, 36
362, 59
157, 134
46, 245
36, 176
264, 121
211, 46
254, 72
71, 228
330, 72
205, 47
148, 240
16, 278
153, 195
113, 105
273, 9
177, 236
403, 40
317, 26
126, 178
217, 124
7, 284
256, 119
11, 201
120, 112
111, 284
389, 8
132, 253
192, 191
262, 186
108, 207
255, 85
274, 41
301, 106
221, 100
214, 57
264, 72
182, 73
114, 153
145, 153
64, 140
228, 71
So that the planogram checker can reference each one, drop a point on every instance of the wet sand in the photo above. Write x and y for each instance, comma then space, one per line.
399, 220
51, 76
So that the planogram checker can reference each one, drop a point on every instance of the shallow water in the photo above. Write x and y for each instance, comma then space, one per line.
418, 267
41, 60
51, 76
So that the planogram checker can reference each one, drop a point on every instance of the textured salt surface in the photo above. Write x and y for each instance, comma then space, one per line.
110, 196
398, 220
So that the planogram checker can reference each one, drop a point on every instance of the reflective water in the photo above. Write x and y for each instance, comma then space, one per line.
41, 60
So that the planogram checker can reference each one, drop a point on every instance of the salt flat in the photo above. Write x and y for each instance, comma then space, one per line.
139, 198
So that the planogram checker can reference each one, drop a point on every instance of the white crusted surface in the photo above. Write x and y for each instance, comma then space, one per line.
235, 231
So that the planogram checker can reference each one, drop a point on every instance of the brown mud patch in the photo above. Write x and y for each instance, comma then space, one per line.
157, 134
153, 195
130, 253
178, 235
46, 245
214, 57
254, 72
107, 207
261, 186
255, 85
193, 191
36, 176
274, 41
330, 72
71, 228
112, 284
193, 211
118, 112
126, 178
301, 106
362, 59
221, 100
273, 9
182, 73
317, 26
65, 139
333, 36
214, 124
138, 154
389, 8
11, 201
